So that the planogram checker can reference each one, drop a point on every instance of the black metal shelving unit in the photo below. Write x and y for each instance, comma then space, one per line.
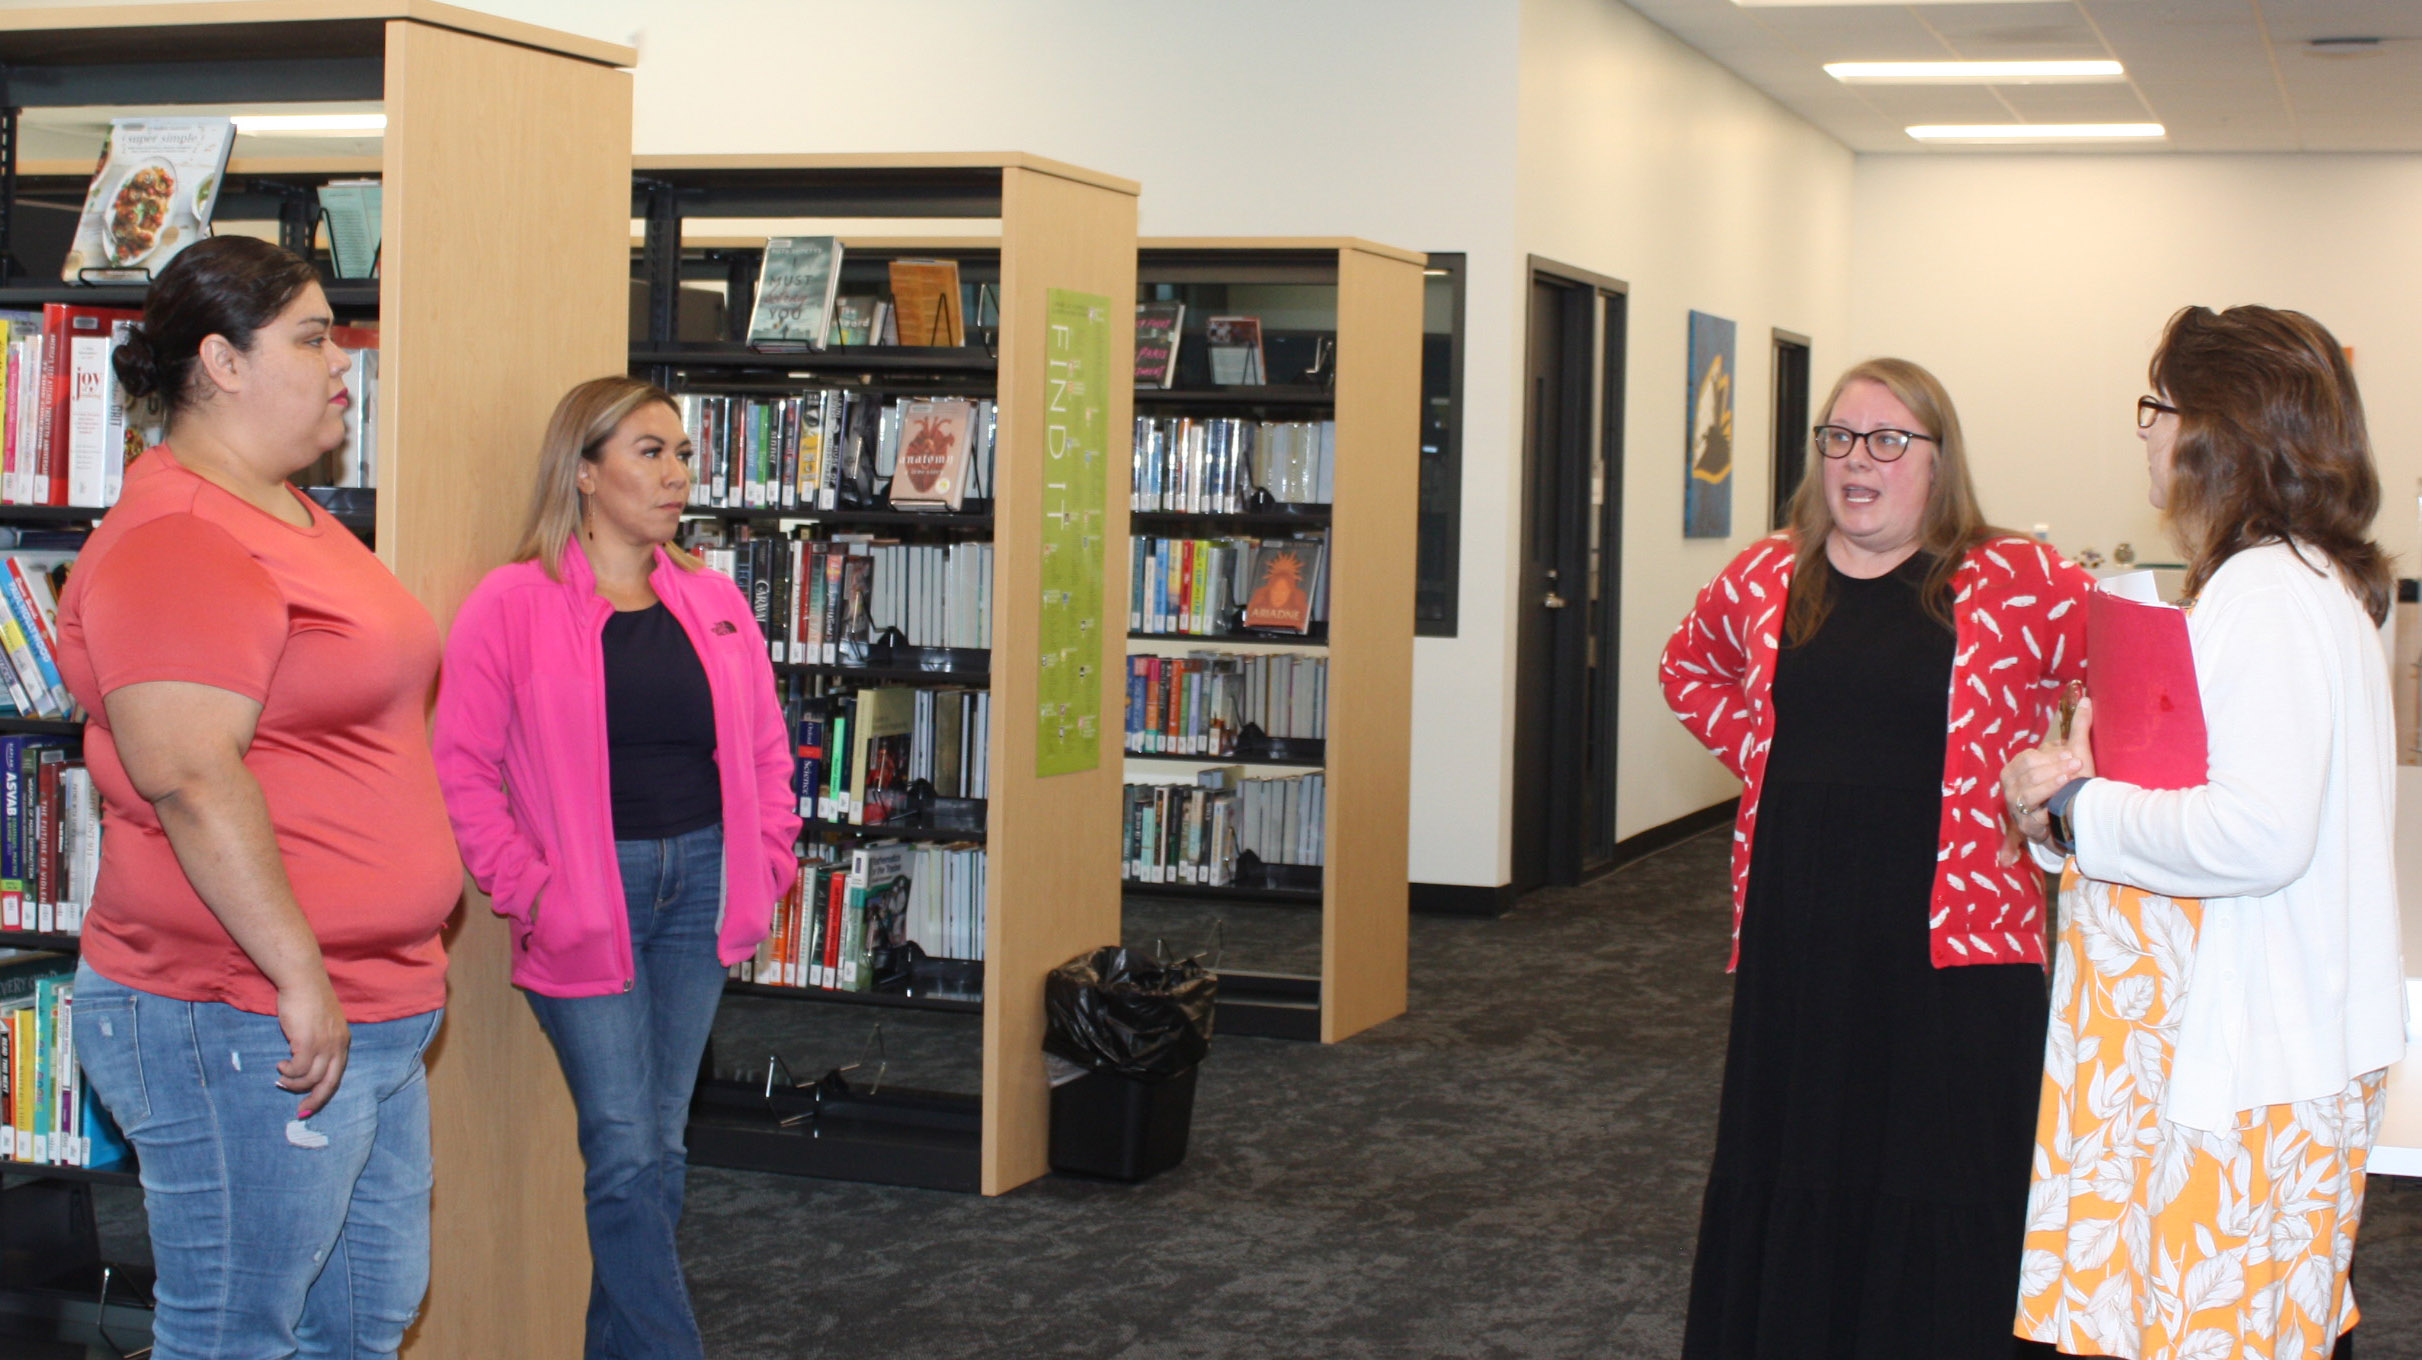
894, 1137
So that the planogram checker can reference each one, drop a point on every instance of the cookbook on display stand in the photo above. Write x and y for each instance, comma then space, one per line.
151, 197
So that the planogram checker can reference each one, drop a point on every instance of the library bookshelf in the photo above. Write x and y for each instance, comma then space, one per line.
1051, 876
1374, 398
505, 144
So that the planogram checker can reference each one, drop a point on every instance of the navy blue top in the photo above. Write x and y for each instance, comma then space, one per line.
660, 728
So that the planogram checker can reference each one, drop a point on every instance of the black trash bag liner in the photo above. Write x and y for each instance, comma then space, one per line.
1117, 1010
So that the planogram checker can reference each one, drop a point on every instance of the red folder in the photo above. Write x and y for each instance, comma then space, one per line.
2148, 714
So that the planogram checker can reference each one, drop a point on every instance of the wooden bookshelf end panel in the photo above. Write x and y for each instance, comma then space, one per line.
1363, 946
1053, 850
498, 158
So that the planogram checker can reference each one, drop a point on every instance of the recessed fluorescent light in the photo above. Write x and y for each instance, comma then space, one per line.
311, 124
1974, 72
2035, 132
1877, 4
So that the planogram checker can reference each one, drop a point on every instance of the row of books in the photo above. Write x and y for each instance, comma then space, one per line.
1198, 704
1212, 586
30, 582
846, 919
45, 1113
826, 449
1213, 466
824, 601
1195, 833
68, 429
50, 836
862, 751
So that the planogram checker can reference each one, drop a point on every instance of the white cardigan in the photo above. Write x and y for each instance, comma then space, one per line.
2298, 985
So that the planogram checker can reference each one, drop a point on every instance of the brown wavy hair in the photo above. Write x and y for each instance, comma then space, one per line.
2272, 445
583, 421
1952, 523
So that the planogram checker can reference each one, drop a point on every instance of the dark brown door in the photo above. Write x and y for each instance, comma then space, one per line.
1563, 770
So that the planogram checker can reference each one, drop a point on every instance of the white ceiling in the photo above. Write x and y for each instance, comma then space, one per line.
2223, 75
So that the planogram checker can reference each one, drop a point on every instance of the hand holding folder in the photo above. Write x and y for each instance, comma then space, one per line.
2140, 673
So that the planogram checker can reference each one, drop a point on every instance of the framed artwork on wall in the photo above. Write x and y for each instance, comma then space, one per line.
1707, 459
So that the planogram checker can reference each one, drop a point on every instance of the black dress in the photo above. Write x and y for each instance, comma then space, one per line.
1868, 1197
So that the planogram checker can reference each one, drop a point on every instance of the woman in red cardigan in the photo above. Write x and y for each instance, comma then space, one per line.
1867, 673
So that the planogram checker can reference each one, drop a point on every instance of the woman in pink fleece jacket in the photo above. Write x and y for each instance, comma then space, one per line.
616, 766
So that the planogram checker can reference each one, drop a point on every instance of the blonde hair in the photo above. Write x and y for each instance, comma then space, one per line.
583, 421
1952, 523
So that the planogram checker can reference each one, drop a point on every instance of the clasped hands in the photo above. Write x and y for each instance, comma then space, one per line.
2035, 774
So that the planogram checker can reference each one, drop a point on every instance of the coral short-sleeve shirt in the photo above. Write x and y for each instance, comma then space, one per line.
185, 581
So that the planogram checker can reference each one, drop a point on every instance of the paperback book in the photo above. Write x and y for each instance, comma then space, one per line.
925, 303
1234, 345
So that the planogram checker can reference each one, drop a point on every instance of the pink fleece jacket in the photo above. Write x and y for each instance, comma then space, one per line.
521, 753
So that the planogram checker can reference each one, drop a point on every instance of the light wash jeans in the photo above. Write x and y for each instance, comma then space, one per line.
272, 1236
631, 1060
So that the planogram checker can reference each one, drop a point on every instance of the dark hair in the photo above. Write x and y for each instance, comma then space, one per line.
2272, 445
227, 285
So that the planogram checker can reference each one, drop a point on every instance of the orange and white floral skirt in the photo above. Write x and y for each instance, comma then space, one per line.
2148, 1241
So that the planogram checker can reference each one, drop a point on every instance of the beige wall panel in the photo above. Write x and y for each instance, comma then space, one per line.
1054, 855
505, 258
1363, 922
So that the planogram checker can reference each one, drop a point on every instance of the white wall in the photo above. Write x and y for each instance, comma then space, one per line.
2036, 287
1642, 160
1569, 128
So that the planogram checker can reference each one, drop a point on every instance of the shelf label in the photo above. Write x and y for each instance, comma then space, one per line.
1076, 486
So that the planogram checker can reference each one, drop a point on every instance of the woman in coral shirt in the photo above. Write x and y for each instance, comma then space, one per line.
616, 763
262, 968
1866, 673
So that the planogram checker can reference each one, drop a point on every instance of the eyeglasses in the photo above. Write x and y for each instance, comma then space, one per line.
1884, 446
2150, 409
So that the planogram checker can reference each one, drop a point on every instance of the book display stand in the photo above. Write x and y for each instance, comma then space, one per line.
1360, 366
505, 174
1050, 840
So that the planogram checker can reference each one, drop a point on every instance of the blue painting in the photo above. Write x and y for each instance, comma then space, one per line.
1707, 461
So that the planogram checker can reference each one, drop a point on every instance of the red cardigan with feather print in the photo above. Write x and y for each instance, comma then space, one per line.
2021, 617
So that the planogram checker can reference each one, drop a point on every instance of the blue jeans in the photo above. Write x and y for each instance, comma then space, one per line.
631, 1060
272, 1236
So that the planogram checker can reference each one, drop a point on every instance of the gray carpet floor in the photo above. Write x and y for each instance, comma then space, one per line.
1512, 1169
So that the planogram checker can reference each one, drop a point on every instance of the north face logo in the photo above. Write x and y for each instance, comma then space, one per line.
724, 628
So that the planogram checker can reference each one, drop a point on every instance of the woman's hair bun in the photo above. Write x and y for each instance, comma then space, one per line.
138, 365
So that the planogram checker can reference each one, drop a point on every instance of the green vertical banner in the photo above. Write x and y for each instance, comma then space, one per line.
1076, 488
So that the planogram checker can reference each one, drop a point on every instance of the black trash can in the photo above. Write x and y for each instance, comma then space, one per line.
1141, 1029
1121, 1128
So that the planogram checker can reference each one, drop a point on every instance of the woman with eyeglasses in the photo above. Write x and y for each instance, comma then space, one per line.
2228, 991
1867, 673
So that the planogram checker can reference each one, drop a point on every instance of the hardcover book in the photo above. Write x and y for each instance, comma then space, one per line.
1283, 580
1158, 328
1234, 344
925, 302
795, 292
150, 197
931, 471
